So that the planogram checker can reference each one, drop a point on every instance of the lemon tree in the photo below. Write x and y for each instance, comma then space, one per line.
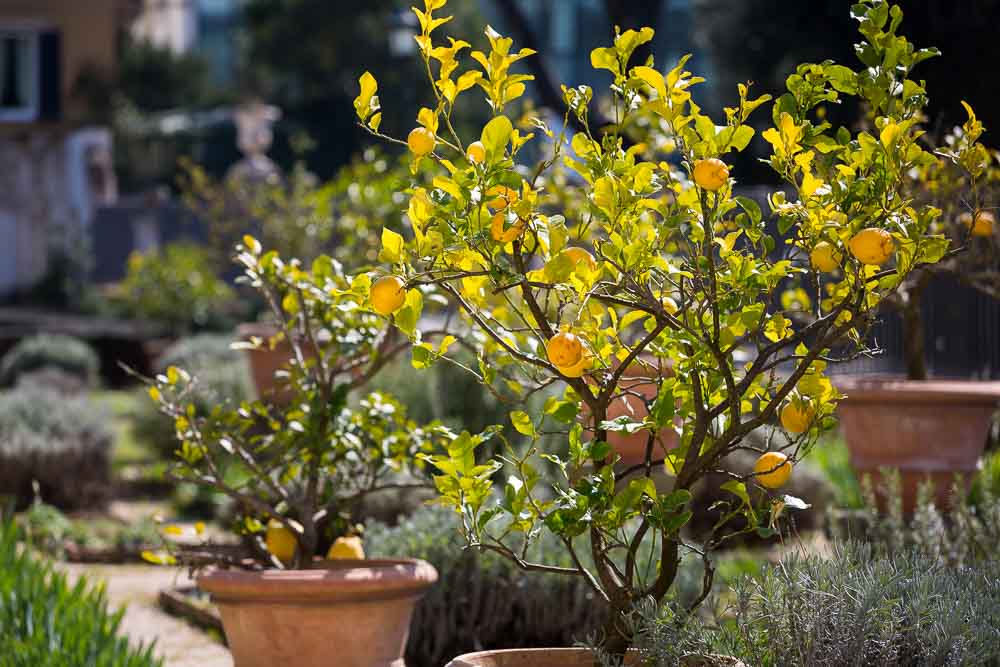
661, 272
965, 186
293, 473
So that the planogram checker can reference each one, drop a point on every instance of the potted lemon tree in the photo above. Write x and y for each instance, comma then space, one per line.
665, 270
932, 429
295, 475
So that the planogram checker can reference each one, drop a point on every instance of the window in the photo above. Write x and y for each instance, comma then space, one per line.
19, 94
30, 74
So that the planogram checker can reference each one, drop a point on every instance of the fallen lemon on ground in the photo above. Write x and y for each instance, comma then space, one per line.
872, 246
772, 469
388, 294
983, 225
578, 255
280, 541
796, 418
565, 350
346, 548
476, 152
711, 174
421, 141
824, 257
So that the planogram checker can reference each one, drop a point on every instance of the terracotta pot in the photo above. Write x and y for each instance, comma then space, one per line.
570, 657
265, 362
350, 614
925, 429
638, 378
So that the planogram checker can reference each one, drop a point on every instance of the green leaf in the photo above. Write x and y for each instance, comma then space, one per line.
737, 488
496, 134
522, 423
751, 207
392, 246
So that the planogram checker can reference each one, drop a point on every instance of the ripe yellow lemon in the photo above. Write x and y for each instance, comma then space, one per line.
387, 295
711, 174
983, 225
565, 350
872, 246
476, 152
824, 257
280, 541
772, 469
669, 305
796, 418
579, 368
578, 255
346, 548
421, 141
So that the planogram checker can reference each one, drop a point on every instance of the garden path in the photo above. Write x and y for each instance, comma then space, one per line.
136, 587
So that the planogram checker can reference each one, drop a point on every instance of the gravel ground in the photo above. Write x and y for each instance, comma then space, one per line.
136, 587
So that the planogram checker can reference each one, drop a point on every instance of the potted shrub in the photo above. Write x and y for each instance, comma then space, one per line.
936, 428
683, 271
297, 216
295, 474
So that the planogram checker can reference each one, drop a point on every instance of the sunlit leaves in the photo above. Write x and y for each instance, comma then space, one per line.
366, 104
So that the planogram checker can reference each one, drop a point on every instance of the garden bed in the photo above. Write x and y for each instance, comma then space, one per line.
191, 604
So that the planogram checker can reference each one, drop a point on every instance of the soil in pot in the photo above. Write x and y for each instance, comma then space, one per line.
348, 613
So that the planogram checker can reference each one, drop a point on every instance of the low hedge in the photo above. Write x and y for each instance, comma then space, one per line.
65, 353
856, 606
45, 620
59, 444
482, 601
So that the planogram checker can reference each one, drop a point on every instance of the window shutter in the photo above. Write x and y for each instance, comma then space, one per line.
49, 75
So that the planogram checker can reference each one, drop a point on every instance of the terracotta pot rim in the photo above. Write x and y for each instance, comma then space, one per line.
898, 390
340, 580
554, 657
558, 656
260, 329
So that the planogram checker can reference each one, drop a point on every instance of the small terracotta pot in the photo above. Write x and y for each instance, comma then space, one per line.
570, 657
638, 378
265, 362
349, 613
925, 429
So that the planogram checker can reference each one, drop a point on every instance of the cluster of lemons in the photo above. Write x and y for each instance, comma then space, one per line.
281, 543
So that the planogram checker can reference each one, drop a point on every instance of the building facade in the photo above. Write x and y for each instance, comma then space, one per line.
54, 169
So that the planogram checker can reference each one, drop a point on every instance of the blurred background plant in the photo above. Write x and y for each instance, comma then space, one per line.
56, 447
66, 354
177, 286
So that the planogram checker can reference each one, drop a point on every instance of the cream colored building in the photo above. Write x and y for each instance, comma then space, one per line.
55, 169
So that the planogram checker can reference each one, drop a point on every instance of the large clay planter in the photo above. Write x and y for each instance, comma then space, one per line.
928, 430
569, 657
350, 614
640, 379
